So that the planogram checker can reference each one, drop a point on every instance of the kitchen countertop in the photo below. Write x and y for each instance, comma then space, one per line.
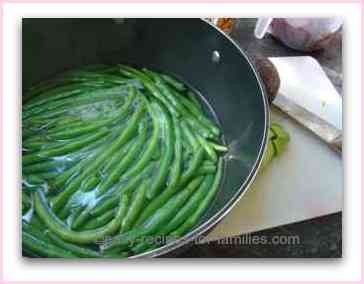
319, 237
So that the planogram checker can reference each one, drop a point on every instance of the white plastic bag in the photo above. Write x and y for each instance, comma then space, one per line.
305, 34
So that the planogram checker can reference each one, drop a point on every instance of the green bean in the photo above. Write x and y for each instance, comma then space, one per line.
33, 158
67, 123
160, 179
65, 176
165, 91
110, 203
173, 182
85, 98
104, 206
84, 237
194, 165
28, 253
99, 221
48, 176
57, 93
44, 167
72, 248
188, 104
71, 109
38, 89
35, 222
37, 124
26, 200
43, 248
32, 182
198, 115
37, 95
173, 82
153, 143
87, 185
196, 126
156, 154
217, 147
27, 132
205, 170
186, 145
37, 145
30, 130
42, 133
196, 119
67, 210
121, 254
113, 253
76, 107
160, 217
24, 208
143, 247
193, 97
121, 140
70, 133
90, 183
125, 162
181, 216
70, 211
135, 208
51, 115
46, 86
149, 85
72, 214
208, 148
82, 75
115, 159
81, 217
124, 188
192, 140
193, 219
36, 231
188, 209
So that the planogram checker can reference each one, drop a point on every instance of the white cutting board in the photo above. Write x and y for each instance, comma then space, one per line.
306, 181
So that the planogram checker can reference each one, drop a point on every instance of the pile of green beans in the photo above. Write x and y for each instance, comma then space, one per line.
113, 158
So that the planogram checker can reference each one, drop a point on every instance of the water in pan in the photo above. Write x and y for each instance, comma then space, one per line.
208, 110
211, 113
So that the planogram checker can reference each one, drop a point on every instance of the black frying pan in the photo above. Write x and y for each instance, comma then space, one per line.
192, 50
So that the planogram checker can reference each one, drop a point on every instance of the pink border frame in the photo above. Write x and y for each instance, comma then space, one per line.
164, 1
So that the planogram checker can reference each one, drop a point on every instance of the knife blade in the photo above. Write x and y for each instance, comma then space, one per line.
307, 95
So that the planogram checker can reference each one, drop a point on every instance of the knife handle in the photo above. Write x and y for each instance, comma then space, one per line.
269, 76
336, 144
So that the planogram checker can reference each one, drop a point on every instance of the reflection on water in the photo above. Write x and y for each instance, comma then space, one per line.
238, 148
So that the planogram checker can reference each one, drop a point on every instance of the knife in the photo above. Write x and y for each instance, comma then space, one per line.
307, 95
